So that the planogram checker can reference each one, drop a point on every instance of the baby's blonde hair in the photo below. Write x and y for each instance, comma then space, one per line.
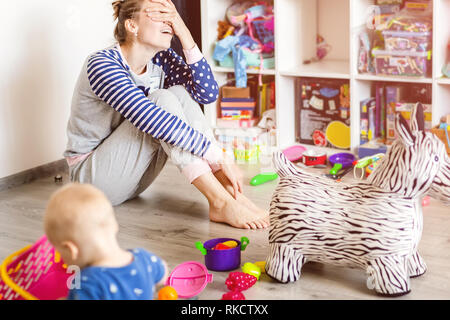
76, 212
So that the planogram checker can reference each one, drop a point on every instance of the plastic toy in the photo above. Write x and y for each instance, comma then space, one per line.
313, 158
240, 281
401, 63
188, 279
222, 260
374, 225
221, 246
230, 244
252, 269
425, 201
294, 153
35, 272
233, 295
341, 161
261, 265
263, 178
167, 293
364, 164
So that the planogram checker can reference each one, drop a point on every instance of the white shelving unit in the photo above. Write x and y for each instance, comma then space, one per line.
297, 22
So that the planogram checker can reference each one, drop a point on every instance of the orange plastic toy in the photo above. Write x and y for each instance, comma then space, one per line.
167, 293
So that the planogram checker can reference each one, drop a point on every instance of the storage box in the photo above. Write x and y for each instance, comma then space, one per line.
407, 41
323, 112
234, 92
401, 63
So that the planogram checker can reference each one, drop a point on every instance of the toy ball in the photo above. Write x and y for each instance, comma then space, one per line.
167, 293
252, 269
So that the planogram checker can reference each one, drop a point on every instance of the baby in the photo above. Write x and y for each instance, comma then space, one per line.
80, 224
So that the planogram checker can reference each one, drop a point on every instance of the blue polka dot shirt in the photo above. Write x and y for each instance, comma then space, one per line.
135, 281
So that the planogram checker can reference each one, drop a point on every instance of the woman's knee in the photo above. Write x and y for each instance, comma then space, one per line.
180, 92
167, 100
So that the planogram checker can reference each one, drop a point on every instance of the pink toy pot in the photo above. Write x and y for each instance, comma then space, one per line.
189, 279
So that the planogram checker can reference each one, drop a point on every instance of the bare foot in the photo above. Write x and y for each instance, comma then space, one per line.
236, 214
242, 199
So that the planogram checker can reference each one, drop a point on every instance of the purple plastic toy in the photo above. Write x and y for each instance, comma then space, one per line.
222, 260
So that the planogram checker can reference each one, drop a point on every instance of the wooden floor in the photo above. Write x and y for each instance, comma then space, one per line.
172, 215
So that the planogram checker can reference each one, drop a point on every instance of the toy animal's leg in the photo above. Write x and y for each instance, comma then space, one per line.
389, 275
284, 263
416, 265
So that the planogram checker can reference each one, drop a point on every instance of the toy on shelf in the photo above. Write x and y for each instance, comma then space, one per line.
401, 63
222, 260
442, 132
244, 144
398, 42
246, 39
263, 178
188, 280
373, 225
36, 272
167, 293
322, 50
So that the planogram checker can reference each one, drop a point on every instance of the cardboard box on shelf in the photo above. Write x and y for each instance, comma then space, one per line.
234, 92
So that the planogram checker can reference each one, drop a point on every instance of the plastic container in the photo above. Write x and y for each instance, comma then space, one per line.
36, 272
189, 279
222, 260
401, 63
407, 41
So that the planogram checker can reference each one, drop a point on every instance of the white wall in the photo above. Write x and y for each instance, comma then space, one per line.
42, 48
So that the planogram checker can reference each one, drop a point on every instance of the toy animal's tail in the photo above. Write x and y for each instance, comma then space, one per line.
283, 166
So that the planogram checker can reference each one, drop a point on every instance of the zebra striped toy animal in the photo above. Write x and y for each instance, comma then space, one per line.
374, 225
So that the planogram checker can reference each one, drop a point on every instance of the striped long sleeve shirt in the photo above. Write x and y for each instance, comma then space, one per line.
106, 93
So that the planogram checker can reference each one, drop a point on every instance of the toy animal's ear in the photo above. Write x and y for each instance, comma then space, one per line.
404, 131
417, 118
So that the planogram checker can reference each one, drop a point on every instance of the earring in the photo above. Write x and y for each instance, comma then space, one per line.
136, 34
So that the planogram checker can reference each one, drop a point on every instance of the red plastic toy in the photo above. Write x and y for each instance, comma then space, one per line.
221, 246
240, 281
233, 295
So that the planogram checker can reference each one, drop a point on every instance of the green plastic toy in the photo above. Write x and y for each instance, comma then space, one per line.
336, 168
263, 178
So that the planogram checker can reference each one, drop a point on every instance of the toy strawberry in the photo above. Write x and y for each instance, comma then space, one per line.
233, 295
240, 281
